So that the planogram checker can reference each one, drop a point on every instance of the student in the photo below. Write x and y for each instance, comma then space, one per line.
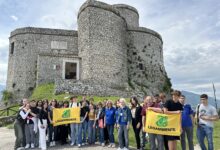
162, 97
52, 129
29, 127
187, 124
151, 104
136, 119
100, 121
173, 106
91, 124
35, 110
83, 127
74, 126
19, 126
109, 122
42, 125
206, 115
64, 129
123, 121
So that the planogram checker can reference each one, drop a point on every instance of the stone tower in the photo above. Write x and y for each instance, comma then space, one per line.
110, 54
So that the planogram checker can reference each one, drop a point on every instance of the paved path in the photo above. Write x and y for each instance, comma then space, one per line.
7, 139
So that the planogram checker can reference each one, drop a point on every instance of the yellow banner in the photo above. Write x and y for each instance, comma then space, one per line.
66, 116
164, 124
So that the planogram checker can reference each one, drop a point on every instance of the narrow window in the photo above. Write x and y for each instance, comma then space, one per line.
141, 67
12, 48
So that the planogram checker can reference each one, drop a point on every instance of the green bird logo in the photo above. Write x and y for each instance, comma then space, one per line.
66, 114
162, 121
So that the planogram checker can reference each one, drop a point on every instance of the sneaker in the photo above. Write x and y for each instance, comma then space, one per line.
119, 148
125, 148
79, 145
54, 143
113, 145
51, 144
20, 148
27, 146
32, 145
83, 144
71, 144
110, 145
103, 144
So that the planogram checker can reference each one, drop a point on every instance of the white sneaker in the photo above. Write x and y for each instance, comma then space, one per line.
83, 144
103, 144
71, 144
54, 143
51, 144
27, 146
32, 145
110, 145
79, 145
125, 148
119, 148
113, 145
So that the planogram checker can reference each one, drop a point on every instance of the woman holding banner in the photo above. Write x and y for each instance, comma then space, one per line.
173, 107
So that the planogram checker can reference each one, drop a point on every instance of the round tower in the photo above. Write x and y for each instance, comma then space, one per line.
129, 13
145, 59
102, 44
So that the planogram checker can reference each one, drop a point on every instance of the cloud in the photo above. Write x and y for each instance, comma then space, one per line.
14, 18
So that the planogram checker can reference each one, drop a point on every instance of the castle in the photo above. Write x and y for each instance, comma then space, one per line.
108, 55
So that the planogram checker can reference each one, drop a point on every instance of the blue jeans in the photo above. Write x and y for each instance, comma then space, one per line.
91, 132
101, 135
202, 132
110, 129
123, 136
74, 133
82, 132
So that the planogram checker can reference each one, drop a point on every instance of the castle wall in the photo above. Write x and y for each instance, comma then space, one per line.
54, 66
102, 44
28, 44
145, 60
129, 13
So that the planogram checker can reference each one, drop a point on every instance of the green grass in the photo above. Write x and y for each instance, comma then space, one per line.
46, 91
11, 112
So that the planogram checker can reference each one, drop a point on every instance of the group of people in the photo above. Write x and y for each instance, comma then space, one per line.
34, 123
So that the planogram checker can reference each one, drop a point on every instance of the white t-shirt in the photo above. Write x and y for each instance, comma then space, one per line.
208, 110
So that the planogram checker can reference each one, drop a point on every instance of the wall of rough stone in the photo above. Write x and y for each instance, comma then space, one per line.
53, 64
129, 13
102, 44
28, 44
145, 60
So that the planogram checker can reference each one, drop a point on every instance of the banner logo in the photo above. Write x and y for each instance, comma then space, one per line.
162, 121
66, 114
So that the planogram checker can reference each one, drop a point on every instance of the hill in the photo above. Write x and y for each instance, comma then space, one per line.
194, 99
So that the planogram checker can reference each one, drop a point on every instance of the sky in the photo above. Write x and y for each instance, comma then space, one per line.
190, 30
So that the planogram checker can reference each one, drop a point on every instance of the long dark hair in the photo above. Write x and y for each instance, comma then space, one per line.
136, 101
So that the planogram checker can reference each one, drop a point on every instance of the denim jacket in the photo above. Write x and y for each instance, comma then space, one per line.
123, 116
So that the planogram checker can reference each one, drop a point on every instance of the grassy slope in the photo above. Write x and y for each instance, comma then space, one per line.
46, 92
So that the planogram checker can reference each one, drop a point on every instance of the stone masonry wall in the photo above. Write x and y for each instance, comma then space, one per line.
102, 45
145, 60
28, 44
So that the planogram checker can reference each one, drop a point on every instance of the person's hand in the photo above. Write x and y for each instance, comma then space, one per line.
117, 126
138, 125
93, 126
104, 125
51, 122
143, 128
128, 127
29, 110
204, 117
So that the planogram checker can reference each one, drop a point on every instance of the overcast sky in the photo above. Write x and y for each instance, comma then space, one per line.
190, 30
